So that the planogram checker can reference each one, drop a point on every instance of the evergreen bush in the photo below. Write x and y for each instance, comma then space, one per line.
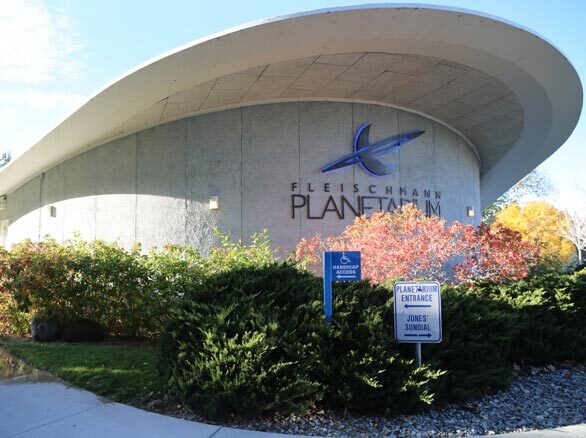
364, 370
552, 310
246, 341
253, 340
478, 336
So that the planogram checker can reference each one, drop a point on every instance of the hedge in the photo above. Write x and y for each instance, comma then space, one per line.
253, 341
128, 291
245, 341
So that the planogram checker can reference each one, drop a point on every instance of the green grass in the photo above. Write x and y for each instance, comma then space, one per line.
124, 373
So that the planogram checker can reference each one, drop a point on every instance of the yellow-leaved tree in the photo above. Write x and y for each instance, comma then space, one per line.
543, 225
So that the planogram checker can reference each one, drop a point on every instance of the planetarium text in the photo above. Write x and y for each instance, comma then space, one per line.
347, 200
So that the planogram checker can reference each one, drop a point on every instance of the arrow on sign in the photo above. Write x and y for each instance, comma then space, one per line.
417, 305
345, 276
415, 335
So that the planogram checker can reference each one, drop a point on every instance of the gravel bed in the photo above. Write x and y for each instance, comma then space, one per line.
538, 398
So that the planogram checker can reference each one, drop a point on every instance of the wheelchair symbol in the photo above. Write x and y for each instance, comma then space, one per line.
344, 259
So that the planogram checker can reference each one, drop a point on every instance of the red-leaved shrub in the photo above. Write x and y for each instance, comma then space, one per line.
407, 244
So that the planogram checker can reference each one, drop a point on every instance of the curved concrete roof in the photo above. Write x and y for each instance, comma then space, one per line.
512, 95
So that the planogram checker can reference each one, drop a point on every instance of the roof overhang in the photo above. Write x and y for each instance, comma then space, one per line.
542, 80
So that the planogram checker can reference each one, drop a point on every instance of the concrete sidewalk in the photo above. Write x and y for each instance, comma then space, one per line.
578, 431
52, 409
35, 404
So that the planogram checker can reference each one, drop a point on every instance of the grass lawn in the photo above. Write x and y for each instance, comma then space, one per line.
121, 372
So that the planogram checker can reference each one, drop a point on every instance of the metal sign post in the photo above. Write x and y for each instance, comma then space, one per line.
418, 354
338, 266
418, 314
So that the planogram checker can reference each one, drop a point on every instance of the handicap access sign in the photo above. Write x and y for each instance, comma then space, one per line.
418, 312
343, 265
338, 266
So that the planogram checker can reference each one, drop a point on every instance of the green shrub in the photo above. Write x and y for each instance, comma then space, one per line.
171, 272
127, 291
253, 340
478, 336
30, 272
231, 255
364, 370
552, 310
108, 284
489, 327
13, 321
575, 319
95, 280
245, 342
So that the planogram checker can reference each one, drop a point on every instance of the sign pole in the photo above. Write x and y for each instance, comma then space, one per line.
418, 354
327, 259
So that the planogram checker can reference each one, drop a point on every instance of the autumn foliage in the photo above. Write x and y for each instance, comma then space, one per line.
540, 224
496, 253
409, 245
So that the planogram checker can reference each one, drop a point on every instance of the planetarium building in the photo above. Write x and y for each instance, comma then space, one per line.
297, 125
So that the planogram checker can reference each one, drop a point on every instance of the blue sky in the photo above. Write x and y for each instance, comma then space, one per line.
54, 54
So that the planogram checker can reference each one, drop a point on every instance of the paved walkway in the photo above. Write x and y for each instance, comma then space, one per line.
49, 409
35, 404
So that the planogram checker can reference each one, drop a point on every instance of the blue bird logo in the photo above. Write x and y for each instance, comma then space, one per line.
366, 154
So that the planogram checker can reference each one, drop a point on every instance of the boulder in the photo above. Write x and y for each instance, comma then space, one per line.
83, 330
46, 329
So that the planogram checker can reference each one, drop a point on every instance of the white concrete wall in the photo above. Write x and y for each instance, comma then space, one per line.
79, 207
116, 191
160, 184
154, 187
324, 129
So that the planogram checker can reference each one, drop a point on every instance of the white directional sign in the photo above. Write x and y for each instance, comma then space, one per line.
418, 312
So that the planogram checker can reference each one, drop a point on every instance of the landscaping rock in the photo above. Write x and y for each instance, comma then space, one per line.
46, 329
83, 330
560, 392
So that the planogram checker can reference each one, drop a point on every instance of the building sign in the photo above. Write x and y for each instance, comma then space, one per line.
365, 153
418, 312
352, 200
347, 201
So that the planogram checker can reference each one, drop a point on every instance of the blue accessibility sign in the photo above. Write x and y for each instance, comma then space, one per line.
344, 265
338, 266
